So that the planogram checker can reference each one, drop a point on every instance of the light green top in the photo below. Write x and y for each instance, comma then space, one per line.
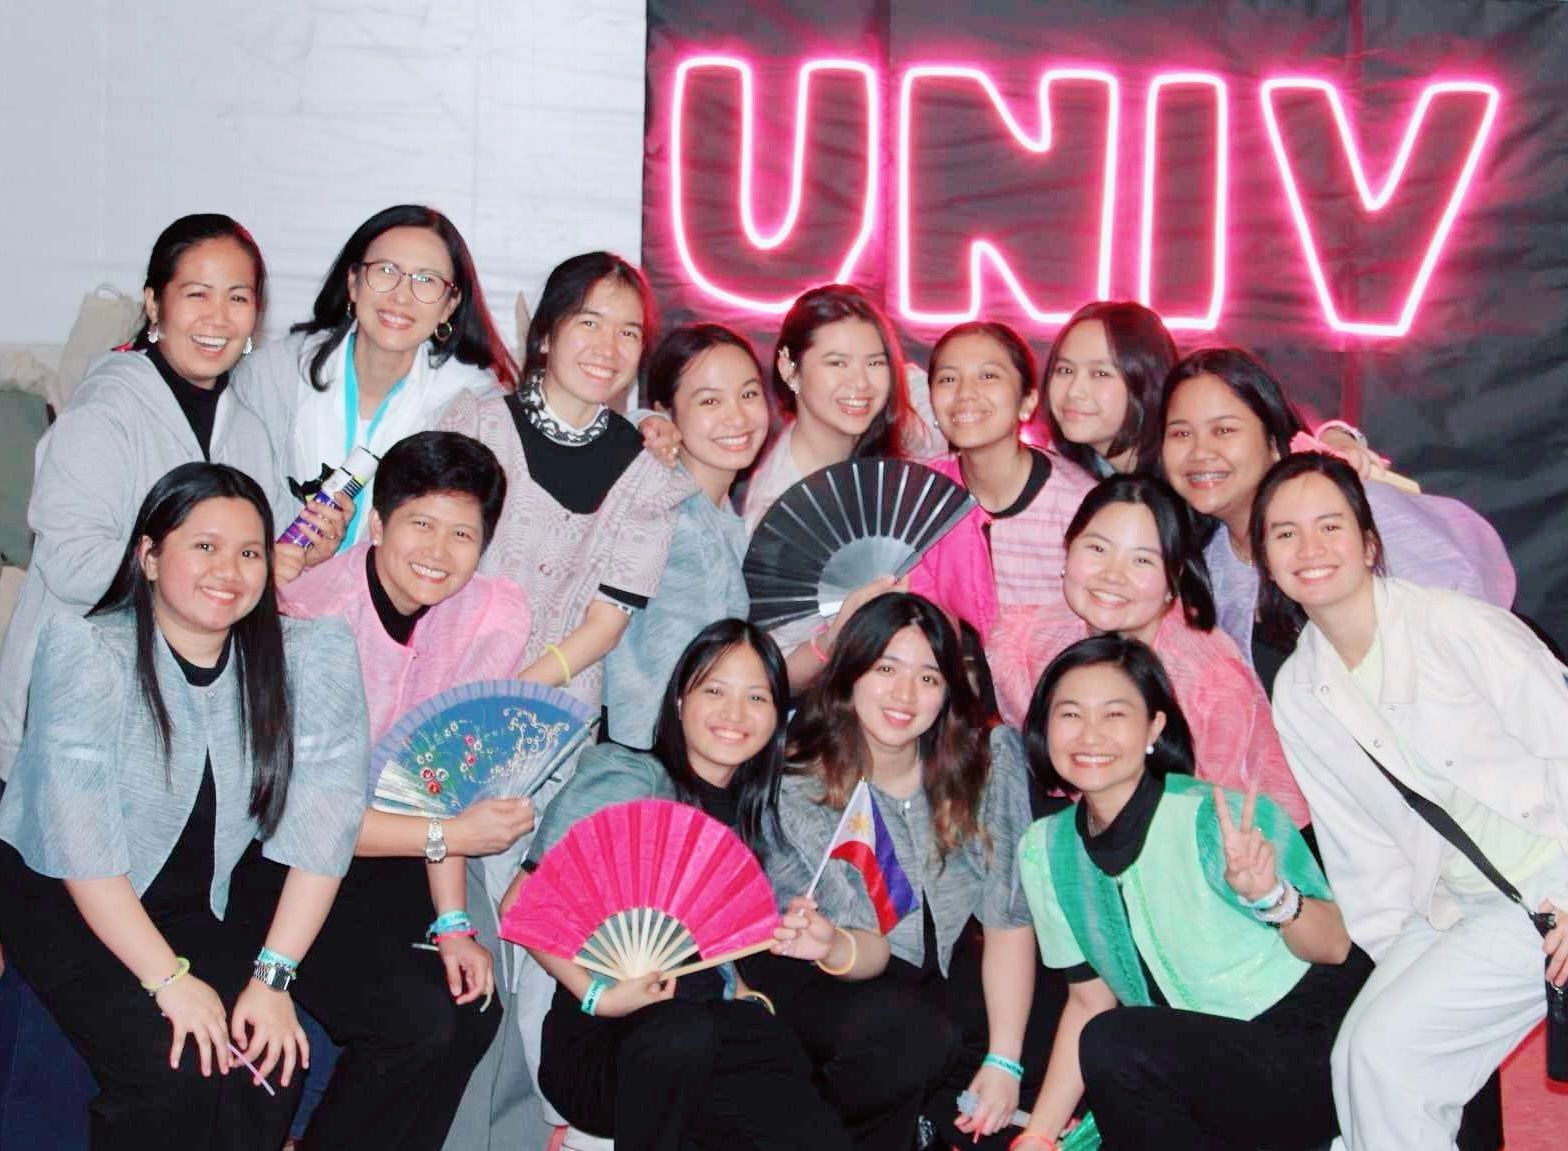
1517, 853
1171, 907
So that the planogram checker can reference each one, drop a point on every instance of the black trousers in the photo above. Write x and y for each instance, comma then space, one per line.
1185, 1081
408, 1049
877, 1047
684, 1075
142, 1104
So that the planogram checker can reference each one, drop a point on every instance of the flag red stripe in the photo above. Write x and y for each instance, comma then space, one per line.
863, 859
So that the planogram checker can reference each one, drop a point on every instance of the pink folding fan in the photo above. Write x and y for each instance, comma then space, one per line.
642, 887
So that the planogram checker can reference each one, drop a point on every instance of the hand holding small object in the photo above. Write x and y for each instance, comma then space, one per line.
267, 1030
804, 932
631, 995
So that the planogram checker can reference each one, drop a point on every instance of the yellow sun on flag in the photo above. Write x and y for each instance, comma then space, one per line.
859, 824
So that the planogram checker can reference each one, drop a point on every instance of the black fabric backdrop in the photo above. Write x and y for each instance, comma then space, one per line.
1470, 401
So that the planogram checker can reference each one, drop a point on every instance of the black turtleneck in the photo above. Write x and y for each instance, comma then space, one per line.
397, 625
200, 405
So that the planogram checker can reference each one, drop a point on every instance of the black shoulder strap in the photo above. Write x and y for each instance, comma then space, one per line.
1446, 826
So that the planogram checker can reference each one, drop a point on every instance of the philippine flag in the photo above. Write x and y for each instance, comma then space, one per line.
862, 841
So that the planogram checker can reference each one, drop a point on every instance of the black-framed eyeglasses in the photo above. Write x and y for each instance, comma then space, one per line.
384, 276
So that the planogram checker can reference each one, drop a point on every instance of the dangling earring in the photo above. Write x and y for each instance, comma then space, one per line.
443, 336
248, 348
153, 334
348, 311
1168, 596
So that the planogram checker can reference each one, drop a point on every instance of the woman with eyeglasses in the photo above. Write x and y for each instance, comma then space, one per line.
399, 330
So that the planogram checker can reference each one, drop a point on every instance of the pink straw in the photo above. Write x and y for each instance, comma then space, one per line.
235, 1051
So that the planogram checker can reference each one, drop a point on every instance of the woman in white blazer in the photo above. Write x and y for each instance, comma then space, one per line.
399, 330
1464, 705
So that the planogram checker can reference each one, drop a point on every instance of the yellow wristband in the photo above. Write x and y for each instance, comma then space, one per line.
182, 967
566, 668
854, 954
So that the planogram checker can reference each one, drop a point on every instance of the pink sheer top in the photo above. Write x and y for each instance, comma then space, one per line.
1232, 724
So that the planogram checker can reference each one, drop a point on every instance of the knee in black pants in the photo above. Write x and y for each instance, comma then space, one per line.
1109, 1055
674, 1039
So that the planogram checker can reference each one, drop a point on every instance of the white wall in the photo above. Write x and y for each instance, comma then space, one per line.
521, 119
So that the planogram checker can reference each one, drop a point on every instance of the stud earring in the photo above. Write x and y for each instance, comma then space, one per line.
1149, 750
153, 334
249, 347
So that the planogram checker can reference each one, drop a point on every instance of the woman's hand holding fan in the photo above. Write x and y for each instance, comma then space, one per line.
643, 888
631, 995
489, 826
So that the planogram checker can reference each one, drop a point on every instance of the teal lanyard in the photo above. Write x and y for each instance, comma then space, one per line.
351, 423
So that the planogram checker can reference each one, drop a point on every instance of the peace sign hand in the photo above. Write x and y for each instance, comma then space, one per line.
1249, 857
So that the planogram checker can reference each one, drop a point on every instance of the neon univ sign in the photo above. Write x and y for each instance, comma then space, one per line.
922, 280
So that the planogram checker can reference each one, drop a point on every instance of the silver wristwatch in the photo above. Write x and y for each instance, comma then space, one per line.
277, 976
435, 841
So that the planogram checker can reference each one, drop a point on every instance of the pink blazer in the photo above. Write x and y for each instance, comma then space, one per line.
479, 633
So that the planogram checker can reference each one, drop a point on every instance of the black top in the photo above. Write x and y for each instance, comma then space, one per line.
397, 625
1267, 660
578, 478
722, 803
200, 405
182, 888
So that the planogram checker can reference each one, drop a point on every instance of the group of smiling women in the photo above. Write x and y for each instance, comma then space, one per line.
1144, 894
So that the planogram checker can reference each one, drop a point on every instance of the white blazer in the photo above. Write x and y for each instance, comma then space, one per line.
1471, 691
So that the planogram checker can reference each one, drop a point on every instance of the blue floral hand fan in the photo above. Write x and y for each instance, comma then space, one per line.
494, 739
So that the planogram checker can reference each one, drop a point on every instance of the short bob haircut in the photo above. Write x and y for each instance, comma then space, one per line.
1186, 575
474, 339
1172, 749
676, 352
1280, 618
826, 739
1250, 382
180, 237
894, 426
756, 782
1143, 351
433, 463
567, 289
257, 638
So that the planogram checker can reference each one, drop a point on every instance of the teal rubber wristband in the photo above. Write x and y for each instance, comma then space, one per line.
452, 921
267, 955
1011, 1066
596, 988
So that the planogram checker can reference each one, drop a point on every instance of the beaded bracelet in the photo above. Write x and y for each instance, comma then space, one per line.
182, 967
1002, 1062
1274, 895
596, 987
1287, 910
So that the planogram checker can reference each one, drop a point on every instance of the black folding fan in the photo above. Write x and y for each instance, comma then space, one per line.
841, 528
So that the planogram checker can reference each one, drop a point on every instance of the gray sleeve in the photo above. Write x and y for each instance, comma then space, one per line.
326, 799
606, 774
1006, 816
63, 811
805, 830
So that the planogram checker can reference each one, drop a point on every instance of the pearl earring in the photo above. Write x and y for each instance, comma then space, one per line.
1149, 750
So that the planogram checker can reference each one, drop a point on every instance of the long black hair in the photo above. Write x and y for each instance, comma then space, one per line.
474, 339
1250, 382
257, 638
756, 782
1143, 351
893, 426
826, 737
678, 349
566, 290
1280, 618
1172, 747
180, 237
1186, 575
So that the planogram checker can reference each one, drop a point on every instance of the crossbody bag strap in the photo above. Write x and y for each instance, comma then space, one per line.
1446, 826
